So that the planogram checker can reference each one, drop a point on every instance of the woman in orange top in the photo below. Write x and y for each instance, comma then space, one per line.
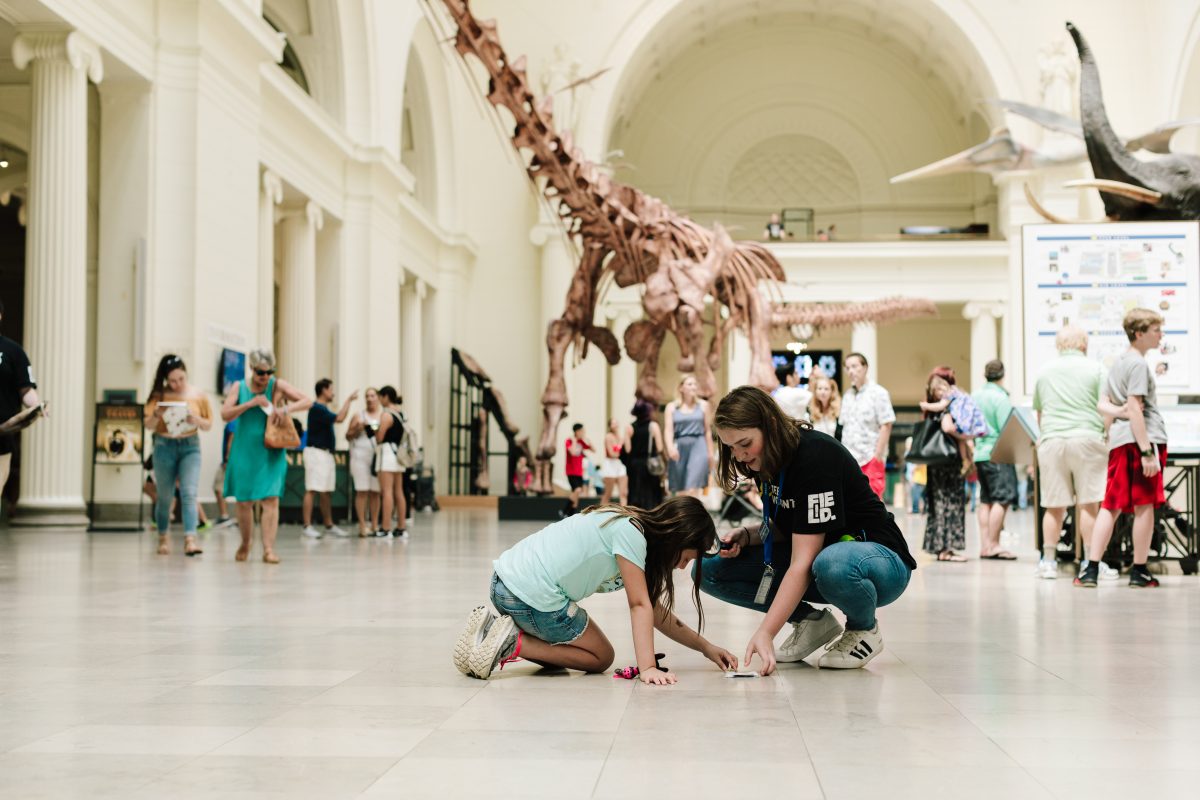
176, 412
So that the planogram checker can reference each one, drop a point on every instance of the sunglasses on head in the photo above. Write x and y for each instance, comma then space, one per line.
262, 373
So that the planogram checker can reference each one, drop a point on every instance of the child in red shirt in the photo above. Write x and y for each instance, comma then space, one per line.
575, 447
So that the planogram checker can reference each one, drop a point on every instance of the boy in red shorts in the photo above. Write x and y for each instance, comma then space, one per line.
1137, 451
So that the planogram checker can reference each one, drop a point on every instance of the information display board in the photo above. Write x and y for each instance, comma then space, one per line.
1090, 276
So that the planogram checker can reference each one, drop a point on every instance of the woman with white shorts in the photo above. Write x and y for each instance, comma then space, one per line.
361, 434
613, 470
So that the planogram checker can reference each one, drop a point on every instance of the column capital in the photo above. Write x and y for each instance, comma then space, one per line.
316, 218
272, 186
35, 44
974, 310
422, 289
542, 232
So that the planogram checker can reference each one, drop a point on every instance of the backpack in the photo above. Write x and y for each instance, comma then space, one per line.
408, 451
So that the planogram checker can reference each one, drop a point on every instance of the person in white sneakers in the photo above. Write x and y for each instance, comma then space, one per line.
825, 538
1071, 452
319, 470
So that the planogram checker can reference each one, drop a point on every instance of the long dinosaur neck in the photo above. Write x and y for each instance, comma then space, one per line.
584, 193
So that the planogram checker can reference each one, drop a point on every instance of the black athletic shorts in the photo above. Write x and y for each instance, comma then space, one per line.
576, 481
997, 483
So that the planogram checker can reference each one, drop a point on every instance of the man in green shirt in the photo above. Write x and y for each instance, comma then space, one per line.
997, 482
1072, 455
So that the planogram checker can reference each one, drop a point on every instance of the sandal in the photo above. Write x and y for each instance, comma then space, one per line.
269, 557
243, 553
950, 555
164, 545
189, 546
1001, 555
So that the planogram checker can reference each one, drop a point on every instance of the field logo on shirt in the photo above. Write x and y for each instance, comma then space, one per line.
820, 507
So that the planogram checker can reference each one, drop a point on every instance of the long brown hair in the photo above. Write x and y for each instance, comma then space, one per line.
750, 407
676, 524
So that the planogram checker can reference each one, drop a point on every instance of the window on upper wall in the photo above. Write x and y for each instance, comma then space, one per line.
291, 62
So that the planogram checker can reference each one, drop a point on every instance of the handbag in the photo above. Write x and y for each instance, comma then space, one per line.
281, 435
654, 461
931, 445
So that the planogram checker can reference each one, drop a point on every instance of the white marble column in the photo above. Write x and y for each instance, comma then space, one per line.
864, 338
412, 347
52, 462
269, 196
984, 345
297, 354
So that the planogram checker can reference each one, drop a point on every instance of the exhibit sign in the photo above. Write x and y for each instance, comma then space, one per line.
118, 434
1090, 276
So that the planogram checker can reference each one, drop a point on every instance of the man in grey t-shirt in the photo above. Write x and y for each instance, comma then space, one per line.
1137, 450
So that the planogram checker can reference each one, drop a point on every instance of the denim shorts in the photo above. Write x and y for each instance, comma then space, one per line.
553, 627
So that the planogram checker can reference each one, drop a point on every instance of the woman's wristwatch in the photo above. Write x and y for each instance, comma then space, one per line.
1147, 452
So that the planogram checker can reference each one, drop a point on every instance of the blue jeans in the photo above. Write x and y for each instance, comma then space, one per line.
857, 577
553, 627
176, 459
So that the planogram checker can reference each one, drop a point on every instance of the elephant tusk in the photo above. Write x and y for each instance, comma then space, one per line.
1041, 210
1133, 192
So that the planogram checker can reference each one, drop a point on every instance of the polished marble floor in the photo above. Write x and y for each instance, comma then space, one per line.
124, 674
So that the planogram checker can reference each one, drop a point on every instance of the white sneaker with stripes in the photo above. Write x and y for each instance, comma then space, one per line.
853, 650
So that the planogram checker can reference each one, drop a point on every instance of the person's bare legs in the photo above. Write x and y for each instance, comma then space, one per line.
222, 506
245, 516
326, 508
1101, 533
374, 502
1143, 532
360, 511
387, 491
623, 489
610, 486
306, 508
591, 652
270, 527
982, 517
1052, 525
994, 513
401, 502
1085, 522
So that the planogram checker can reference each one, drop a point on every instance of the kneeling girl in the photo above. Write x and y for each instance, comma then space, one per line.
539, 582
825, 538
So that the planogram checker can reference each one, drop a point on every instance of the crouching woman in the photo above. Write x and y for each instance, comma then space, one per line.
824, 538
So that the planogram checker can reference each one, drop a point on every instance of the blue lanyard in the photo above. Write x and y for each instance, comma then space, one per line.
769, 518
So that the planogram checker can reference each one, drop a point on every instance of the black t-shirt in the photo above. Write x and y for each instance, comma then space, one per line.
825, 491
320, 427
16, 375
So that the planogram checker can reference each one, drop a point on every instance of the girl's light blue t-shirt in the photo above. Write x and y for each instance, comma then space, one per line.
571, 559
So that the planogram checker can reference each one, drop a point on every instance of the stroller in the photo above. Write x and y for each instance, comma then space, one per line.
739, 504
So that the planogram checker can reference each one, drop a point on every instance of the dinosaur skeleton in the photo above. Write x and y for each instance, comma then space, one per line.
631, 237
821, 316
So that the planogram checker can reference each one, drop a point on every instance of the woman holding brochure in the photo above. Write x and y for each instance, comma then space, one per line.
176, 412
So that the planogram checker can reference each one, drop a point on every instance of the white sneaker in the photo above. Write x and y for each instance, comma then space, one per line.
853, 651
1108, 573
311, 532
807, 635
478, 623
484, 656
338, 532
1047, 568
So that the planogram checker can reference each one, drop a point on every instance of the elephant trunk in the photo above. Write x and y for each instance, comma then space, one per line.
1110, 160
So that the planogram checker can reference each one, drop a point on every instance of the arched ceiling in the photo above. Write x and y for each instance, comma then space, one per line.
868, 86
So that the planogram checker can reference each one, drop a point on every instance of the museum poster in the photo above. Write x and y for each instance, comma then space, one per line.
118, 434
1091, 275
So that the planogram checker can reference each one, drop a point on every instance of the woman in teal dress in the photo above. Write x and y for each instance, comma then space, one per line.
255, 472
